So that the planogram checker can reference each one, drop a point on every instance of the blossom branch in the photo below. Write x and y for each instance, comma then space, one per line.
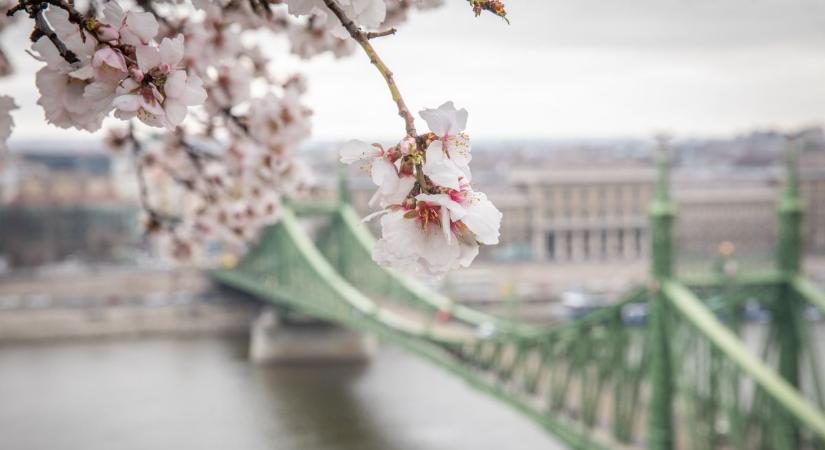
157, 219
35, 11
361, 38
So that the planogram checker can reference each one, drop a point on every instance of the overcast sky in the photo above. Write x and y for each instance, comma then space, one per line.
566, 68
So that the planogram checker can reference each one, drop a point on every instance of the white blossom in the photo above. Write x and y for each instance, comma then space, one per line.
448, 124
393, 186
419, 246
435, 223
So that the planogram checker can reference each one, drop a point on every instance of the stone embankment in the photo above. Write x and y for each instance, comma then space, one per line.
119, 303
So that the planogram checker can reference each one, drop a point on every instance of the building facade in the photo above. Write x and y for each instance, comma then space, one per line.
587, 214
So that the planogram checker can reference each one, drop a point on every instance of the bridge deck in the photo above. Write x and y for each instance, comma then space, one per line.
442, 327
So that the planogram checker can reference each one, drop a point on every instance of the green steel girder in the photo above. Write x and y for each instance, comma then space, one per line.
692, 310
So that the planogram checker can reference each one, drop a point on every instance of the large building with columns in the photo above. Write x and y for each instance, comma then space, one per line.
587, 214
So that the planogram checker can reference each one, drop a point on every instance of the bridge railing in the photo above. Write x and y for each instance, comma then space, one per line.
727, 396
587, 377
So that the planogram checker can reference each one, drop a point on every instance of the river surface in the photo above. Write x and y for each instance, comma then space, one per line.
202, 394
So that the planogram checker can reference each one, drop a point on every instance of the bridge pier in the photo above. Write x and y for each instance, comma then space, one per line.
278, 339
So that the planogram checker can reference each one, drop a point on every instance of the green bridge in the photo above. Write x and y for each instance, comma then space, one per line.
695, 375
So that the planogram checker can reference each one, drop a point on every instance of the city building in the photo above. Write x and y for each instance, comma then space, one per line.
586, 214
64, 203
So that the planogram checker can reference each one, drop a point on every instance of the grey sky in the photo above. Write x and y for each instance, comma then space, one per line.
572, 68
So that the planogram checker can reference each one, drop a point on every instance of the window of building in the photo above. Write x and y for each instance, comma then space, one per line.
638, 241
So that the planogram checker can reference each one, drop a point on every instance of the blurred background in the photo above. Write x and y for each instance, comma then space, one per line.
103, 344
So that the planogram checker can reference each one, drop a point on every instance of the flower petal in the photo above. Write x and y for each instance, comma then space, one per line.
193, 94
482, 218
144, 25
175, 83
171, 51
148, 57
383, 171
128, 103
445, 120
445, 223
440, 169
356, 150
175, 111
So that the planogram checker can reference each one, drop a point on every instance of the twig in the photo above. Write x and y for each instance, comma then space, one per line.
419, 177
377, 34
237, 120
361, 38
41, 27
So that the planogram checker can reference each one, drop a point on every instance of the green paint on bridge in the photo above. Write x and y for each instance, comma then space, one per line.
695, 375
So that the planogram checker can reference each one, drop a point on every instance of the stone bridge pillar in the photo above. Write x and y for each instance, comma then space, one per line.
277, 339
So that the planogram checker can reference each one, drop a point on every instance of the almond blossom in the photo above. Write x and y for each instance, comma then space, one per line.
96, 65
441, 233
394, 182
61, 83
433, 221
131, 27
450, 154
164, 100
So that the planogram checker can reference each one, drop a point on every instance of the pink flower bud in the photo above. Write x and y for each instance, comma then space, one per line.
107, 56
406, 145
108, 32
136, 74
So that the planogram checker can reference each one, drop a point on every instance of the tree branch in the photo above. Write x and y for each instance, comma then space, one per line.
362, 40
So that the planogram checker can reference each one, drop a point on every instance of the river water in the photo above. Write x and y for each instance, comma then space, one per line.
202, 394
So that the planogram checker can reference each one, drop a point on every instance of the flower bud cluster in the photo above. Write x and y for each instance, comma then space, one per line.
100, 64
